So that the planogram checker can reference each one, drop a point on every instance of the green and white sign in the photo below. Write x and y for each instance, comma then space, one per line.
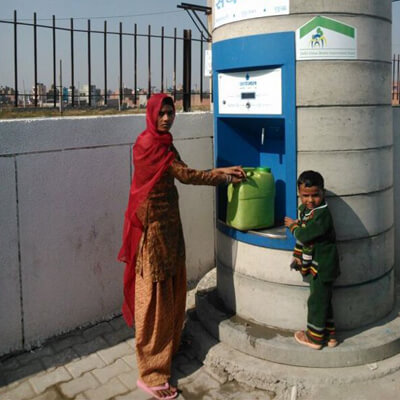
326, 39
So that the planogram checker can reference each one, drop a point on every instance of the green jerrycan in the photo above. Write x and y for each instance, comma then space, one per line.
251, 203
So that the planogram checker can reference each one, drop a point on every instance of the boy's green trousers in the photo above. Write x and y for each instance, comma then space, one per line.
320, 324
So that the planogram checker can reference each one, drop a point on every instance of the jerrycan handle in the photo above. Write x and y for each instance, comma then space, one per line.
230, 192
249, 173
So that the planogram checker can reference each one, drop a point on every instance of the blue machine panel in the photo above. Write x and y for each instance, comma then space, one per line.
253, 139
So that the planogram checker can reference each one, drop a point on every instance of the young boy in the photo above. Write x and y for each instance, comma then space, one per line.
315, 253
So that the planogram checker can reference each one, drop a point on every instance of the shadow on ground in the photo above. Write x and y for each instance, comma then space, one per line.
62, 349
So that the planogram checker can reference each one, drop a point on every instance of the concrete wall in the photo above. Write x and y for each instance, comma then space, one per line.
344, 131
396, 169
64, 189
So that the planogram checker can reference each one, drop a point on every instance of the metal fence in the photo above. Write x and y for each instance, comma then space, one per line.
396, 80
181, 91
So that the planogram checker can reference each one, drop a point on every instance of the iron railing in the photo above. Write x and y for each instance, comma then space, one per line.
94, 98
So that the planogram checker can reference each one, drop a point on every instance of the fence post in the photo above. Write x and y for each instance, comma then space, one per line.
187, 69
135, 62
121, 89
35, 57
61, 89
72, 64
162, 59
15, 62
174, 76
89, 69
398, 76
149, 63
393, 74
201, 67
54, 63
105, 63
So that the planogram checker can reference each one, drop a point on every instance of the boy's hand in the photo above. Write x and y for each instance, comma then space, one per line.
289, 221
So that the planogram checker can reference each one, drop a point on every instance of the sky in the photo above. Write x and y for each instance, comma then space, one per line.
396, 28
157, 13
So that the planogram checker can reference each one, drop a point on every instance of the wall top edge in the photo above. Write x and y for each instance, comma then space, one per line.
26, 136
91, 117
70, 118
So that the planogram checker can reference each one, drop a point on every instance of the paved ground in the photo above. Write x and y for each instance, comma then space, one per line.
98, 363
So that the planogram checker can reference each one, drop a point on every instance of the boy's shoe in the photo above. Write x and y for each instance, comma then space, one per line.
332, 343
302, 338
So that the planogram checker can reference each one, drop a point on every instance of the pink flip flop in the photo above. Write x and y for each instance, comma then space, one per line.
302, 338
154, 389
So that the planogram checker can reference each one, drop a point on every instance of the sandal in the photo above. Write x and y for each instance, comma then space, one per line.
332, 343
152, 390
302, 338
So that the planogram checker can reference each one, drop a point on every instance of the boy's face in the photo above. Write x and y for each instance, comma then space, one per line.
311, 197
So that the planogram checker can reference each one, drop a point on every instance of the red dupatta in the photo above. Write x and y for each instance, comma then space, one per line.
151, 157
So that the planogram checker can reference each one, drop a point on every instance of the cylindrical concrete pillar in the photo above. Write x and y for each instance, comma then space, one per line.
344, 131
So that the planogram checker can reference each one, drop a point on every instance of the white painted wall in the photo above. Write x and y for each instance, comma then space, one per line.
64, 190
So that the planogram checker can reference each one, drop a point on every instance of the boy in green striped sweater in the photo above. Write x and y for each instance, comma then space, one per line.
315, 254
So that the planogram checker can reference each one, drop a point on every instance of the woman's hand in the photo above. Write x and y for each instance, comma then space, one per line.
237, 173
289, 221
235, 179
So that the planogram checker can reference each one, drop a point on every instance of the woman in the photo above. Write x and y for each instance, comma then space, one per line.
153, 246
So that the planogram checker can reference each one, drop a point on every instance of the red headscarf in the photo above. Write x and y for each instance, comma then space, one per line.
151, 157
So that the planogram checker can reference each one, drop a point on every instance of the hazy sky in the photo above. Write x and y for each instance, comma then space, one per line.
155, 12
396, 28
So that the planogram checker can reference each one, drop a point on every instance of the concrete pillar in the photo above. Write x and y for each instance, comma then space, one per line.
396, 167
344, 131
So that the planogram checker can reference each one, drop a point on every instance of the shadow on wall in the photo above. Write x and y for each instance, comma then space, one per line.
362, 276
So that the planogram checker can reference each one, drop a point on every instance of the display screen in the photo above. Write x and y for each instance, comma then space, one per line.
248, 95
250, 92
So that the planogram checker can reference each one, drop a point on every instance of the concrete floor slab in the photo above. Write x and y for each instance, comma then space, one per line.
361, 346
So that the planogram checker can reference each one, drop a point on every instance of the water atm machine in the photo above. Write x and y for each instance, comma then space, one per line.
255, 123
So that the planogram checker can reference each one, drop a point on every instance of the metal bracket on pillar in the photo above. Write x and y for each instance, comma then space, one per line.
193, 8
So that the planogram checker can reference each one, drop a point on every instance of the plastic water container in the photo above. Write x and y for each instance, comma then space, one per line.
251, 202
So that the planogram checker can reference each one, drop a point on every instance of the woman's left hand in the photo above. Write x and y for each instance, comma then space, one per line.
236, 171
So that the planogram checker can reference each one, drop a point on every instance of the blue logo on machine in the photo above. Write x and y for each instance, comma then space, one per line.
221, 3
247, 82
318, 39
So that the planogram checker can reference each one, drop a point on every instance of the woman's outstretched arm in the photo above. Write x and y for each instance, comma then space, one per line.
213, 177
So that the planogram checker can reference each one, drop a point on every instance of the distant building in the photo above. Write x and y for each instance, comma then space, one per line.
50, 94
7, 95
396, 93
94, 93
65, 94
103, 96
142, 100
76, 95
41, 93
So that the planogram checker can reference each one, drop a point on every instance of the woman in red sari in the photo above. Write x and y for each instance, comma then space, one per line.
153, 246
